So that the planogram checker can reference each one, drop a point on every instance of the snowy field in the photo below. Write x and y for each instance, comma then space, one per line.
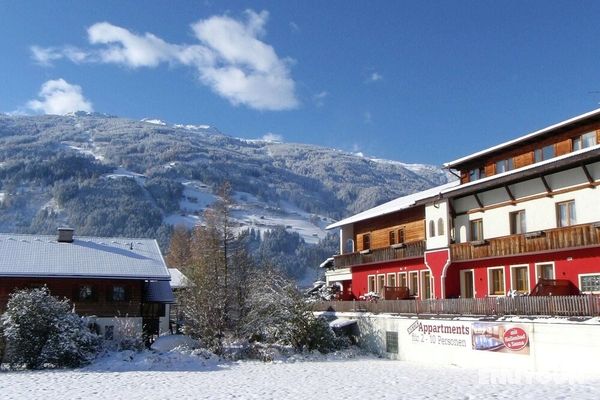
177, 376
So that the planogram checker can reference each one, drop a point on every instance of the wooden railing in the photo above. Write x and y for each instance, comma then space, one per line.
409, 250
568, 306
551, 239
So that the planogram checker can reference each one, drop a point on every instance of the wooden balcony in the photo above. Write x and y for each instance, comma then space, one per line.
409, 250
552, 239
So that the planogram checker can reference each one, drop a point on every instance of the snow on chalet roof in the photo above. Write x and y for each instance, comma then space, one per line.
578, 118
178, 280
87, 257
398, 204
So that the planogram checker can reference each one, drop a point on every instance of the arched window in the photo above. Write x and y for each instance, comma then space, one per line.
431, 228
440, 226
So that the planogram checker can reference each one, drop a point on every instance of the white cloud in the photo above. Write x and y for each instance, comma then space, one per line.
368, 117
60, 97
230, 58
294, 27
319, 98
375, 77
272, 137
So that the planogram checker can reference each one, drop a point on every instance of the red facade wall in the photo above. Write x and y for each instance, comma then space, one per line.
360, 274
567, 265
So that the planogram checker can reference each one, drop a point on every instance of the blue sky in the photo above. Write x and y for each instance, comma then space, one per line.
410, 81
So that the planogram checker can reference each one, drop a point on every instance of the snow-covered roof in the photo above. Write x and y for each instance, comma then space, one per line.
88, 257
398, 204
178, 280
578, 118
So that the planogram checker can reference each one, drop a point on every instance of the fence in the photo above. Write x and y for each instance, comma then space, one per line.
570, 306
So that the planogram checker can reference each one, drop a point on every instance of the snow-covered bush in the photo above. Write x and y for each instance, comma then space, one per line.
128, 336
278, 313
42, 331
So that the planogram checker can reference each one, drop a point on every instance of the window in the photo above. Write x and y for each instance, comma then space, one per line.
431, 228
520, 278
371, 283
86, 293
504, 165
366, 241
401, 235
496, 281
545, 153
545, 271
118, 293
477, 173
517, 222
584, 141
391, 342
440, 226
426, 285
349, 248
476, 230
391, 280
565, 213
392, 237
589, 282
380, 283
413, 283
402, 282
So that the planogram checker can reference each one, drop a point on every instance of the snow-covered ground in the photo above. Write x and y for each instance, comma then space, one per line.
187, 376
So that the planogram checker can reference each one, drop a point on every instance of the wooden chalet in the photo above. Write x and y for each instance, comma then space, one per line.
525, 210
109, 279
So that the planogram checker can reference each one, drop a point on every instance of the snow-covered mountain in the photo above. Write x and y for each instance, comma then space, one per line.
106, 175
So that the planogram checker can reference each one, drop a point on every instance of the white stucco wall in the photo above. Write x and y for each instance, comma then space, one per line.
553, 345
433, 212
540, 213
134, 324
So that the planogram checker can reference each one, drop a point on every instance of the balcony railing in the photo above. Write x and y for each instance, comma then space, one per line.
551, 239
409, 250
567, 306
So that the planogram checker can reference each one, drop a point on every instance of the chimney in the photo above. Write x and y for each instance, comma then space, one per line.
65, 235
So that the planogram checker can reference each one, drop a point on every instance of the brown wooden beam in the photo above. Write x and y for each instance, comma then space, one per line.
479, 203
587, 174
548, 188
510, 194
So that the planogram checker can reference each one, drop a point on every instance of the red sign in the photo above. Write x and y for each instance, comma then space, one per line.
515, 339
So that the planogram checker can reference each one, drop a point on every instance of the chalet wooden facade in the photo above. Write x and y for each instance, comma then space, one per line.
524, 210
112, 280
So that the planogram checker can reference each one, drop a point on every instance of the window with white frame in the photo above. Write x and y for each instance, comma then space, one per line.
565, 213
517, 222
545, 270
545, 153
441, 226
413, 283
426, 285
391, 280
519, 278
584, 141
380, 282
371, 284
589, 283
496, 281
402, 281
504, 165
476, 230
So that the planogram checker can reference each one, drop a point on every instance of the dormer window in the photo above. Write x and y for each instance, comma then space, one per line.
545, 153
504, 165
584, 141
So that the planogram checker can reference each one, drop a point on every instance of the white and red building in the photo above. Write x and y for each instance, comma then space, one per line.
523, 210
